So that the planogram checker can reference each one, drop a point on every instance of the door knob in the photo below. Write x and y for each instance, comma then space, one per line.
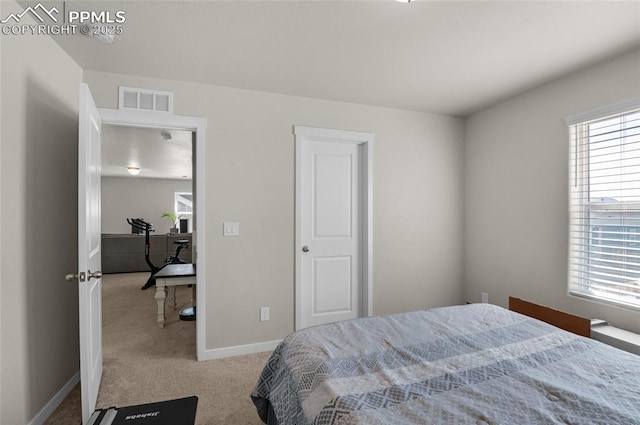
305, 248
73, 276
94, 275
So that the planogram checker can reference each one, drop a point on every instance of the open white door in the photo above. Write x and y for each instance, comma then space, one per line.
89, 254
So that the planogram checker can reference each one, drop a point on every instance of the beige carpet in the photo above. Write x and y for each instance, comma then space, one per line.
144, 363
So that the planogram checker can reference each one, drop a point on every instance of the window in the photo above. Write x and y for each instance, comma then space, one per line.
184, 203
604, 228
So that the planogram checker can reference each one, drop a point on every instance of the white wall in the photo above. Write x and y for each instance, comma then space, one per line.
250, 179
38, 240
516, 190
135, 197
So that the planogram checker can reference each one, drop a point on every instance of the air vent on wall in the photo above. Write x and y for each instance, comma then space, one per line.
145, 100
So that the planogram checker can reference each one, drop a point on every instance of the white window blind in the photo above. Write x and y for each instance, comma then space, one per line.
184, 203
604, 238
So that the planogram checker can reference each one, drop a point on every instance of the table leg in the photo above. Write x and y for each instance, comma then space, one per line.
175, 303
161, 296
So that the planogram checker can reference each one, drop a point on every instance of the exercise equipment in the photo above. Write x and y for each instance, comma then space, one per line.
140, 224
188, 313
181, 411
175, 258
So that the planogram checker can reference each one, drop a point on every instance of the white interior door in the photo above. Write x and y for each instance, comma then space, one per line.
89, 255
330, 231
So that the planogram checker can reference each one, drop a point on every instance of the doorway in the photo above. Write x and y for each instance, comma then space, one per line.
160, 122
89, 276
146, 176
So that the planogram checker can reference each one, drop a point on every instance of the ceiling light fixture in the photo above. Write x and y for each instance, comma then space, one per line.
134, 171
404, 1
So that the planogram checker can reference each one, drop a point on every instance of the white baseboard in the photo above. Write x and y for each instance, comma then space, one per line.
238, 350
53, 404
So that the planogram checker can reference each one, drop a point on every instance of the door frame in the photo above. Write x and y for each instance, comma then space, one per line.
145, 119
365, 140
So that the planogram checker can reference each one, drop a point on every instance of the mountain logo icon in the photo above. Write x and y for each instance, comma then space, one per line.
37, 11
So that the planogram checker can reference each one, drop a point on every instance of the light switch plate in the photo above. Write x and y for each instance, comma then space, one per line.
231, 228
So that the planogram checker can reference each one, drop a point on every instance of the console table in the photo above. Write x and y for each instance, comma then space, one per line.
173, 275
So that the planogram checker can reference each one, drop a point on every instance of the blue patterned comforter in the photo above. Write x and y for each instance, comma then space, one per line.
473, 364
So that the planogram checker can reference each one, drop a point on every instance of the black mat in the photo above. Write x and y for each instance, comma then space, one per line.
171, 412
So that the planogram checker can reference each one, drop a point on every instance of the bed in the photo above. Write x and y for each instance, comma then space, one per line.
473, 364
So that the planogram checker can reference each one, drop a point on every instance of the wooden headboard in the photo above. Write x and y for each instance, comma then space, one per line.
568, 322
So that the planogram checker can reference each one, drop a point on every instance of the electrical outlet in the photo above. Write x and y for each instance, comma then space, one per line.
485, 297
264, 314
